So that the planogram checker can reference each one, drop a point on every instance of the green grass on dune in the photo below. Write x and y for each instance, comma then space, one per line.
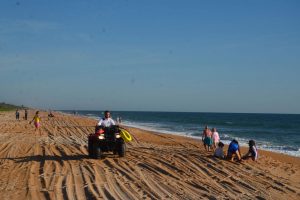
9, 107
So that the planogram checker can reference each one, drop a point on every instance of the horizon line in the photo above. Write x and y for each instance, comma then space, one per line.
177, 111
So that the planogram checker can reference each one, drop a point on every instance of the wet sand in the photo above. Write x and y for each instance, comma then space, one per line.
156, 166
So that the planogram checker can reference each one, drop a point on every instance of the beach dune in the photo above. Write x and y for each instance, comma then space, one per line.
156, 166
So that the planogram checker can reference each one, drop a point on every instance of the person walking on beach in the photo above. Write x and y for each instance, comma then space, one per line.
50, 114
119, 120
26, 114
215, 137
206, 138
37, 120
17, 114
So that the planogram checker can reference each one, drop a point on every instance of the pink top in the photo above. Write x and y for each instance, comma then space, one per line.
206, 133
216, 137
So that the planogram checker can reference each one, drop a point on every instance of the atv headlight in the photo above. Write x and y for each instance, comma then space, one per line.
118, 136
101, 137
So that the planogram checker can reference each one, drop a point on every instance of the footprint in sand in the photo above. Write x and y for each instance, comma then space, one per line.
260, 198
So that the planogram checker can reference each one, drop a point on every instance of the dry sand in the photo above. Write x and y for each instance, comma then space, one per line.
156, 166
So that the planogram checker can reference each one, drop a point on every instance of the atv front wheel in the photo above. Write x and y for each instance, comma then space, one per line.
90, 149
97, 153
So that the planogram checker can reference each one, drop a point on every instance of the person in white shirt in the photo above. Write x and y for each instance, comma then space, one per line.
252, 153
215, 137
219, 153
107, 121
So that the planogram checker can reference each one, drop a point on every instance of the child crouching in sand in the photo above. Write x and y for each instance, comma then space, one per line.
234, 149
252, 153
219, 153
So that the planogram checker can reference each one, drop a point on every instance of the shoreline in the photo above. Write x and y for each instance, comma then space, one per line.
243, 145
226, 142
262, 145
244, 149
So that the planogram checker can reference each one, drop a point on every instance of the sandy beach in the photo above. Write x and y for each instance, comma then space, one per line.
157, 166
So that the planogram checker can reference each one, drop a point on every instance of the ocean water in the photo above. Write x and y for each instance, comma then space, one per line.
273, 132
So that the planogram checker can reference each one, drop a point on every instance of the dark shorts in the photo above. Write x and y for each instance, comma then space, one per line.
208, 141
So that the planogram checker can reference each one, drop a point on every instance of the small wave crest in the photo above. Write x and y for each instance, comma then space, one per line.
154, 127
292, 151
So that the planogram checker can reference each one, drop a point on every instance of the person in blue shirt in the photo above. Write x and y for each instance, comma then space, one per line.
234, 150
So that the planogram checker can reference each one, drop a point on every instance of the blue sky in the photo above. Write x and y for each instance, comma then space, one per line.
168, 55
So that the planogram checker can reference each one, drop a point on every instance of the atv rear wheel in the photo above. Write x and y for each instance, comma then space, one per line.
122, 149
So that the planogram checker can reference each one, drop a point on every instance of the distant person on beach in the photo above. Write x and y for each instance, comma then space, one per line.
107, 121
50, 114
17, 114
119, 120
252, 152
207, 138
37, 120
234, 150
219, 153
26, 114
215, 137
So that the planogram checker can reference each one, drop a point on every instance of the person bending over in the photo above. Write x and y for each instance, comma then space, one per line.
234, 149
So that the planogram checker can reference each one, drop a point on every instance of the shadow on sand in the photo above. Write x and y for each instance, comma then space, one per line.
43, 158
40, 158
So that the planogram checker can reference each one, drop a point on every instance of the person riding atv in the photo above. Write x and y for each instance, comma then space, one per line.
106, 138
107, 121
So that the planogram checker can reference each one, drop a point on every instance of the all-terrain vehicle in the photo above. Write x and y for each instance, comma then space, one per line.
106, 139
